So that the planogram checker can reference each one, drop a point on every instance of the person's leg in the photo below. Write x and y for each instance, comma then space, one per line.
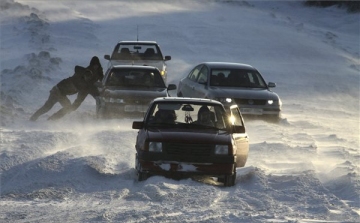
52, 100
65, 102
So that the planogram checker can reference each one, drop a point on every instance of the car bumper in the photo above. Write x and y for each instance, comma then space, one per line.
259, 111
186, 166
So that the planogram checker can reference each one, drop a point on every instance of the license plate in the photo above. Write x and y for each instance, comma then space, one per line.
252, 111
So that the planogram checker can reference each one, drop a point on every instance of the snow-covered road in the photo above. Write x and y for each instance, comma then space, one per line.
80, 169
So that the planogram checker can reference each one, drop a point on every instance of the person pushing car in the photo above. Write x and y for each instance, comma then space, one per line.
82, 83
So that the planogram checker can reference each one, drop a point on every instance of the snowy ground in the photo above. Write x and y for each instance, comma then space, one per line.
79, 169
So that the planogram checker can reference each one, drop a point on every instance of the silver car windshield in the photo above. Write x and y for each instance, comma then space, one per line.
137, 52
135, 78
185, 115
236, 78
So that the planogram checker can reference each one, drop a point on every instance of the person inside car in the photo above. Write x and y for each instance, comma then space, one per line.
148, 79
205, 117
165, 116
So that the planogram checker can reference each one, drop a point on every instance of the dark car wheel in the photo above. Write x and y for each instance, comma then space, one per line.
229, 180
141, 176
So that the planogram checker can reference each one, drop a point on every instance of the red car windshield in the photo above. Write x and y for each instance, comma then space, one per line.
196, 115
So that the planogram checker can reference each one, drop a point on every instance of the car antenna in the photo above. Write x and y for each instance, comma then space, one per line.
137, 32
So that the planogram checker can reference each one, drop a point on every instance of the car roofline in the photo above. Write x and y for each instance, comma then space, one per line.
215, 65
186, 99
137, 42
134, 66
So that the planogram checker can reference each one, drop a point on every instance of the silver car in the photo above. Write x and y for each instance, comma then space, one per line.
129, 89
232, 83
139, 53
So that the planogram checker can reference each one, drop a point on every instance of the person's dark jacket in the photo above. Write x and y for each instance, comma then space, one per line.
98, 75
76, 84
83, 86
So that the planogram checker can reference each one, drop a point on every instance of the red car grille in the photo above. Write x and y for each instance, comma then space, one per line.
188, 149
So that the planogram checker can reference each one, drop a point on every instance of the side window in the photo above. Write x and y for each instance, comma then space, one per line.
194, 73
203, 75
235, 116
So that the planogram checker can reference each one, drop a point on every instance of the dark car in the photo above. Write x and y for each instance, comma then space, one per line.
139, 53
185, 137
127, 89
232, 83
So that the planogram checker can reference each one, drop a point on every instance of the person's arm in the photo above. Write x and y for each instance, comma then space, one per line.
79, 99
101, 74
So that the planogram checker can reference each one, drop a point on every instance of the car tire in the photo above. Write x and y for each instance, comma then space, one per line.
141, 176
229, 180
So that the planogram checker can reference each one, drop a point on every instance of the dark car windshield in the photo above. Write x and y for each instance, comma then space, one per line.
137, 51
135, 78
188, 115
236, 78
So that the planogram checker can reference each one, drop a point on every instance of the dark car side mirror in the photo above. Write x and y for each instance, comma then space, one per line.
171, 87
107, 57
271, 84
238, 129
167, 58
137, 125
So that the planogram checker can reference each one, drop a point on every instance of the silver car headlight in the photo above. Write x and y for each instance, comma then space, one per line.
221, 149
270, 102
225, 100
155, 147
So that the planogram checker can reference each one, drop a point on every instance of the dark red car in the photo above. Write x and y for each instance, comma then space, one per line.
183, 137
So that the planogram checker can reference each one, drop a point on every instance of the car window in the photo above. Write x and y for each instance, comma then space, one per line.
193, 75
255, 79
127, 51
236, 78
188, 115
235, 117
134, 78
203, 75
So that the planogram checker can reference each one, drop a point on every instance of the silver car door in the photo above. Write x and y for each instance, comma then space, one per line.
201, 86
189, 83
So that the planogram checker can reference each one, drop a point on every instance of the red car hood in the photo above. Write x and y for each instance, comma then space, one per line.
209, 136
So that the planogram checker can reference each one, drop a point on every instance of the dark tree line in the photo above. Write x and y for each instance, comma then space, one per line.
352, 6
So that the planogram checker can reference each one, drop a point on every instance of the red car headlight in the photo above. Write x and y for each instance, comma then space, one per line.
155, 147
221, 149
